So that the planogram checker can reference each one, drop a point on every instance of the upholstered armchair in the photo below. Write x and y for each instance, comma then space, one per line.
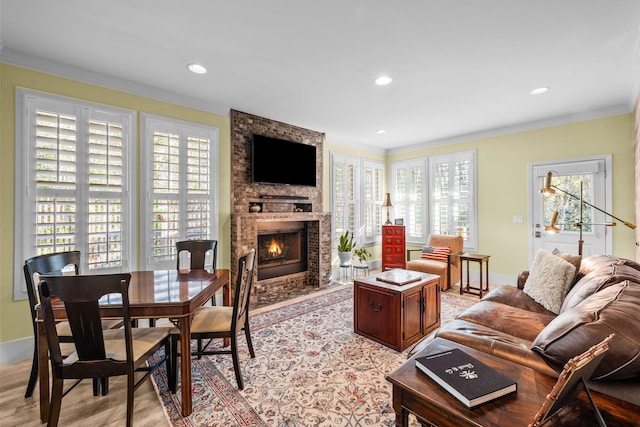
448, 269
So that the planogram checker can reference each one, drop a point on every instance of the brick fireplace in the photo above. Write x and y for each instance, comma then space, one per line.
291, 213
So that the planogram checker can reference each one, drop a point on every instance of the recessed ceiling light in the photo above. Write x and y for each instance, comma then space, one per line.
383, 80
381, 131
539, 90
196, 68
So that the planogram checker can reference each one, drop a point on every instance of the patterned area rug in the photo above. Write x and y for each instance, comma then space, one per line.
310, 369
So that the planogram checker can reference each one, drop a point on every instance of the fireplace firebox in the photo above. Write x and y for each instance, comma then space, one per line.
282, 249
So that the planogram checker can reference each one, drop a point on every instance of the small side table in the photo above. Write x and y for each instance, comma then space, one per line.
364, 267
482, 260
346, 270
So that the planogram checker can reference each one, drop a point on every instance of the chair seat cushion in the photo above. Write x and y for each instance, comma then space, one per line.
64, 330
428, 266
144, 339
211, 319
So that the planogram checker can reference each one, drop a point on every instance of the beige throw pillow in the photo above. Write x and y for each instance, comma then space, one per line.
549, 280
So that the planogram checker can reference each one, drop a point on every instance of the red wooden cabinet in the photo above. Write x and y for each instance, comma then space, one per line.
393, 247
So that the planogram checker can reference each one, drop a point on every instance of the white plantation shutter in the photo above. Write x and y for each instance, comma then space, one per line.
344, 194
198, 188
372, 199
54, 171
453, 196
106, 193
407, 195
181, 163
72, 182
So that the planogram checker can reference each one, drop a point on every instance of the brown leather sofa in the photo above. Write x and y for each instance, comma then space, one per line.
604, 299
449, 272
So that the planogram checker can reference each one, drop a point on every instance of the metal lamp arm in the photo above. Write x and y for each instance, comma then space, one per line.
581, 200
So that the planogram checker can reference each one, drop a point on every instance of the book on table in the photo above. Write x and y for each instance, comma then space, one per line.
465, 377
399, 277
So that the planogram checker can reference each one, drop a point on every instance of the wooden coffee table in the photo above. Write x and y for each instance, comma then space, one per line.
414, 392
396, 315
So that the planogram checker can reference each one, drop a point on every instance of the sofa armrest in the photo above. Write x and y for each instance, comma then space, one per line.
522, 278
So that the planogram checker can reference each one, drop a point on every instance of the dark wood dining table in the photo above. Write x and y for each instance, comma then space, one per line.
152, 295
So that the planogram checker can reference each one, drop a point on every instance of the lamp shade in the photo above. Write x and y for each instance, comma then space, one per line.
551, 228
547, 184
387, 201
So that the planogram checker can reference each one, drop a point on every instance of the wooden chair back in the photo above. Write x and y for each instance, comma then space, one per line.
33, 268
198, 250
244, 283
81, 295
50, 264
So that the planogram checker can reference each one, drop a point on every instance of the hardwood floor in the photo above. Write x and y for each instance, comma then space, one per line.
79, 407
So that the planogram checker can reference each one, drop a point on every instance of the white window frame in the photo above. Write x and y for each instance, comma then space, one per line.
337, 158
372, 204
471, 241
150, 123
359, 200
28, 102
403, 203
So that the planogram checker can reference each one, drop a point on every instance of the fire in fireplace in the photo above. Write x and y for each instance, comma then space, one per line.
282, 249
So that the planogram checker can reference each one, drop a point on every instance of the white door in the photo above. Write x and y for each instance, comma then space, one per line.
571, 179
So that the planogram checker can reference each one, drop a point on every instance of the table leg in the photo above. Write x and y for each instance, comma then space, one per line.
43, 372
185, 365
402, 415
480, 290
487, 276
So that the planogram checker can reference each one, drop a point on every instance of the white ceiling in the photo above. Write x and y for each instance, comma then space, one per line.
459, 67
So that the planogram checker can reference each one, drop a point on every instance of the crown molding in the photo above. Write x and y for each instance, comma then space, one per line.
20, 59
520, 127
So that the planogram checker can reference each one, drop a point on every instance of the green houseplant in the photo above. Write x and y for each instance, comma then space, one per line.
362, 254
345, 246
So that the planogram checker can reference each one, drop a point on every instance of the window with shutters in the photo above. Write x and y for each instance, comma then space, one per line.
372, 198
357, 197
408, 187
436, 195
453, 196
72, 182
179, 162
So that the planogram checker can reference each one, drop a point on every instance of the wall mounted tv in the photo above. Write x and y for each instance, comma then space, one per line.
277, 161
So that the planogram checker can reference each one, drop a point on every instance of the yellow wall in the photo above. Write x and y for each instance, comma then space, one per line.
502, 176
14, 316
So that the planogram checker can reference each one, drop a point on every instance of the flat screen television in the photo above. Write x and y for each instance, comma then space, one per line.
277, 161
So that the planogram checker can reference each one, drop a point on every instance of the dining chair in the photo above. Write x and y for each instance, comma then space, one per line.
197, 255
99, 353
197, 250
54, 264
212, 322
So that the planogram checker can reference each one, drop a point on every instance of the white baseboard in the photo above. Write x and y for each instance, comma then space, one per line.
16, 351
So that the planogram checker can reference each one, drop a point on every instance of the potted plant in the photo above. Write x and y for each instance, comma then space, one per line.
362, 254
345, 246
